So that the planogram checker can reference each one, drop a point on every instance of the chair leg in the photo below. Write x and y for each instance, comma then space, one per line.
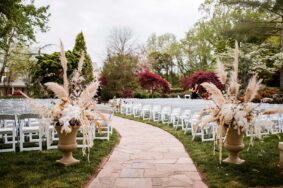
108, 132
14, 140
40, 141
21, 141
48, 141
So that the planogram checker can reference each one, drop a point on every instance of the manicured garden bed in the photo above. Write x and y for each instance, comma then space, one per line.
38, 168
261, 167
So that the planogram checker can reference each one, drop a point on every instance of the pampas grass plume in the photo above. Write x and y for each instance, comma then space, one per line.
215, 93
57, 90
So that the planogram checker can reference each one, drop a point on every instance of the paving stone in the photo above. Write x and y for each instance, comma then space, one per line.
199, 184
131, 173
133, 183
147, 157
157, 173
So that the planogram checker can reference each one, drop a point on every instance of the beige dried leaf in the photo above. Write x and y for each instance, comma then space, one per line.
273, 111
234, 87
81, 62
236, 60
88, 93
64, 66
252, 89
220, 72
216, 94
58, 90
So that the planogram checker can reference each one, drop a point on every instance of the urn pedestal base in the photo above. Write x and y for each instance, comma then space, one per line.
68, 159
281, 154
234, 144
67, 144
233, 158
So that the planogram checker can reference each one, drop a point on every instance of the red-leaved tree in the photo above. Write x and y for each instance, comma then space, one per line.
198, 78
153, 82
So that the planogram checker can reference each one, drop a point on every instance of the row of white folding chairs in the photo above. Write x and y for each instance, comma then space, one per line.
95, 134
27, 127
188, 118
20, 126
172, 115
266, 124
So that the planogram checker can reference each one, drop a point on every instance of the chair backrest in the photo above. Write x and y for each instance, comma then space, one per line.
186, 112
156, 108
166, 109
7, 117
176, 111
28, 116
146, 107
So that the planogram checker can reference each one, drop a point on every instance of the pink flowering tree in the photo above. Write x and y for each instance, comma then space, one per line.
153, 82
197, 78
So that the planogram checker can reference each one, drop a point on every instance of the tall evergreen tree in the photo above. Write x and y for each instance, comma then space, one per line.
80, 46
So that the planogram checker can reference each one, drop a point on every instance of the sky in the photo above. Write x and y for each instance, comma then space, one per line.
96, 18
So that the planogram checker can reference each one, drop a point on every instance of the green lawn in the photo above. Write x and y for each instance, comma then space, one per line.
38, 168
260, 168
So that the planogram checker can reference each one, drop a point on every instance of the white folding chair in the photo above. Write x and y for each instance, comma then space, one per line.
276, 126
146, 112
51, 136
106, 129
8, 130
208, 132
174, 116
28, 128
184, 120
191, 122
80, 137
155, 113
137, 110
165, 114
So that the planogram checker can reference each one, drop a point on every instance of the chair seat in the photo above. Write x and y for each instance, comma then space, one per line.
30, 129
6, 130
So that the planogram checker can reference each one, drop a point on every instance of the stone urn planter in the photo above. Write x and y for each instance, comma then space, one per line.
67, 144
280, 145
234, 144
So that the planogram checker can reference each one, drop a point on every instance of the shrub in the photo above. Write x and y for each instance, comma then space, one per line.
127, 93
141, 95
198, 78
153, 82
267, 92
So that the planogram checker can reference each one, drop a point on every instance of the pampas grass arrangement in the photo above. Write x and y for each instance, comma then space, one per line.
77, 107
230, 112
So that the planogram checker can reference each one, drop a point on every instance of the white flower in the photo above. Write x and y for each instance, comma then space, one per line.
69, 112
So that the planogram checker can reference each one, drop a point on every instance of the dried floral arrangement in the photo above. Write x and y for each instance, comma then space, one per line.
76, 106
232, 111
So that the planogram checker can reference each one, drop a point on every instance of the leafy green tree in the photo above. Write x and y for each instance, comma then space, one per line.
254, 21
165, 54
261, 59
20, 65
161, 63
80, 46
19, 21
49, 69
118, 76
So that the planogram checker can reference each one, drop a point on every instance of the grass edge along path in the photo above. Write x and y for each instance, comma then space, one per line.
38, 168
260, 169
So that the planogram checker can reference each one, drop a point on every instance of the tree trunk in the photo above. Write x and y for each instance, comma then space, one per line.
6, 54
281, 69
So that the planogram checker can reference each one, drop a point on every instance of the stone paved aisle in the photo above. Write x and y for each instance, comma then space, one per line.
147, 157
